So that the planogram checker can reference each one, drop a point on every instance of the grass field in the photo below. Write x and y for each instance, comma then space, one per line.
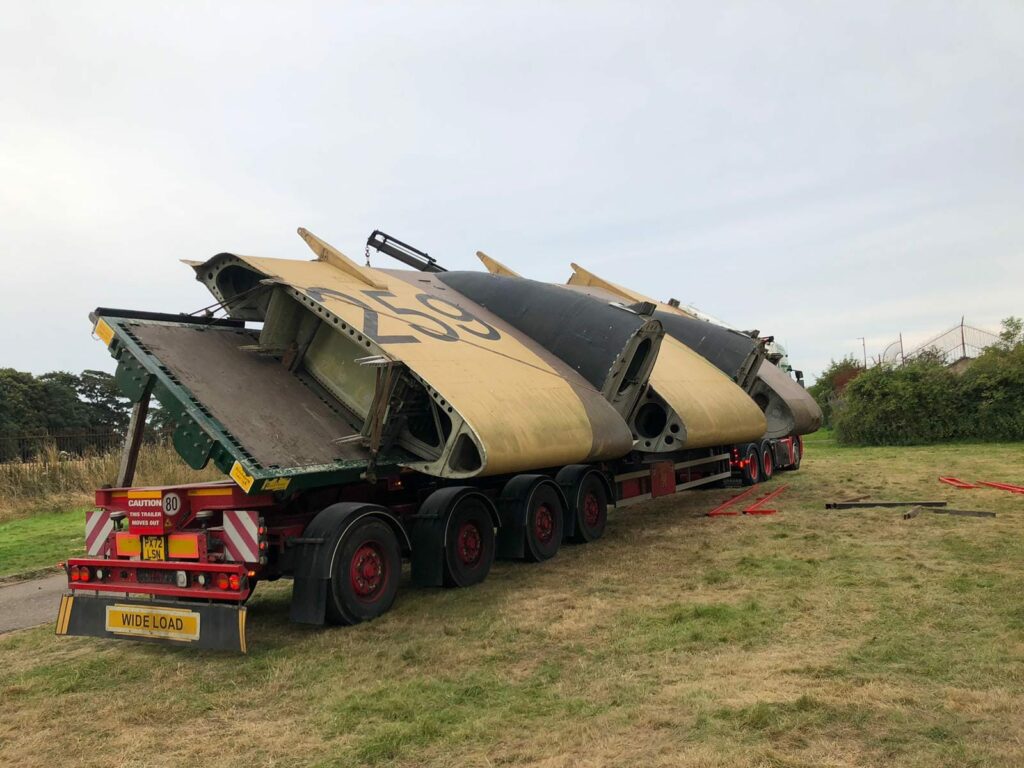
808, 638
41, 541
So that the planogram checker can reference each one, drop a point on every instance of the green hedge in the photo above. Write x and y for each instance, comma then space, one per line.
832, 383
925, 402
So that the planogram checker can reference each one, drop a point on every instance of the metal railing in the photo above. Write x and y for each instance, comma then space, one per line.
65, 446
959, 342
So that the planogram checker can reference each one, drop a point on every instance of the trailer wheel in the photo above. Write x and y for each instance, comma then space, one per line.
365, 570
751, 473
545, 519
593, 511
798, 453
468, 543
587, 514
532, 513
767, 461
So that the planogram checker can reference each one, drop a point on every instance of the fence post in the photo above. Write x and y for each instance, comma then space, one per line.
133, 440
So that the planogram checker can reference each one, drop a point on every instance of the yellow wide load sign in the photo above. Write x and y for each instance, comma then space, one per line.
143, 621
218, 626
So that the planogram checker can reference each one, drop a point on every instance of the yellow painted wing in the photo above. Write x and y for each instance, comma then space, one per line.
713, 408
584, 278
522, 409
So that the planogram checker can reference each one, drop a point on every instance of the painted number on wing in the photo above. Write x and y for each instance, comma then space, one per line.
445, 321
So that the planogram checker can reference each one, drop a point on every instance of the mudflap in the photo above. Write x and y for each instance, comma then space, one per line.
219, 627
428, 552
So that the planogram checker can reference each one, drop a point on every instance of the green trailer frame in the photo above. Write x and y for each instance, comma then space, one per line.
200, 437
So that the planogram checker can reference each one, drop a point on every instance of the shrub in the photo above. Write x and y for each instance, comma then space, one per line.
831, 383
926, 402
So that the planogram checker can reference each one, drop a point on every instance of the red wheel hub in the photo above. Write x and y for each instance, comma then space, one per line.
543, 524
367, 571
591, 510
469, 544
767, 463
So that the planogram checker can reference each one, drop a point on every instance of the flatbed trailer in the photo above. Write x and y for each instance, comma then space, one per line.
307, 500
178, 563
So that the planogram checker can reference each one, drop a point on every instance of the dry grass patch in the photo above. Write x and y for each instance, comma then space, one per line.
52, 482
809, 638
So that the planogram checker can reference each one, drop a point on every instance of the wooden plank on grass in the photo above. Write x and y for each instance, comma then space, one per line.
963, 512
871, 504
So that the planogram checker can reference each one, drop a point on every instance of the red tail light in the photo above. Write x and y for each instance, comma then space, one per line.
83, 573
222, 581
73, 572
235, 582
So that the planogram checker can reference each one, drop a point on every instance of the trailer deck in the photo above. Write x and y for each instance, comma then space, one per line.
278, 417
269, 428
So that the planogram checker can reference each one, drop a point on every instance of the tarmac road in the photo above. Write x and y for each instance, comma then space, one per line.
29, 603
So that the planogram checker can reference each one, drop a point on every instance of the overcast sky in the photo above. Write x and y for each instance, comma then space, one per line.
821, 171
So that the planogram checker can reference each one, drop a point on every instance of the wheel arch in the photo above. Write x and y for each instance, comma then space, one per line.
444, 499
514, 510
318, 549
571, 476
430, 532
519, 489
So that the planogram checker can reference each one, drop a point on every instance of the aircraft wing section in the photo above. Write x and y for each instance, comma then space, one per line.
475, 397
789, 409
586, 279
494, 266
712, 408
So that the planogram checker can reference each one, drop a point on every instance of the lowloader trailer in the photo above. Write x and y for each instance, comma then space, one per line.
347, 457
178, 563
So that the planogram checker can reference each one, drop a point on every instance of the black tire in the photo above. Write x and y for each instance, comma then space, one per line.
468, 543
767, 461
751, 472
545, 519
591, 509
798, 453
365, 570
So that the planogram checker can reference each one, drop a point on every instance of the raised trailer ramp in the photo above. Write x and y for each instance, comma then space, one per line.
270, 428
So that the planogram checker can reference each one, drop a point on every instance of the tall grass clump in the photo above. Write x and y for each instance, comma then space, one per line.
53, 479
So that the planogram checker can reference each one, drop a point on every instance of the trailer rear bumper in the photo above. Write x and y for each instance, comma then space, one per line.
196, 625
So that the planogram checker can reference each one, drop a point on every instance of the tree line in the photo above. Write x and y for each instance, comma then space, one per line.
75, 412
927, 401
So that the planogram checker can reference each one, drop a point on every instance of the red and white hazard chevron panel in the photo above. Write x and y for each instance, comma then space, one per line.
241, 536
98, 526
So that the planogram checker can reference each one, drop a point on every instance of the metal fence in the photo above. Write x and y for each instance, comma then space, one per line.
893, 354
68, 446
959, 342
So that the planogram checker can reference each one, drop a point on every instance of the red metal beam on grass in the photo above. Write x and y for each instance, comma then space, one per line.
1003, 486
956, 482
722, 509
757, 509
